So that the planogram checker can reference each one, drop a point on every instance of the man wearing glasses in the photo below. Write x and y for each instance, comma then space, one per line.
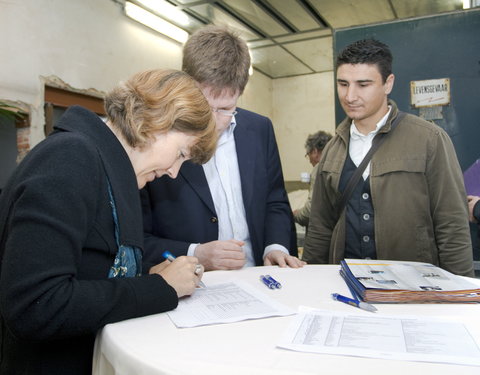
233, 211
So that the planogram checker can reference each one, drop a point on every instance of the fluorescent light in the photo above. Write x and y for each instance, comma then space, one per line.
168, 10
154, 22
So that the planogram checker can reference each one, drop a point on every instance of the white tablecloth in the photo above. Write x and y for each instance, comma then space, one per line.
153, 345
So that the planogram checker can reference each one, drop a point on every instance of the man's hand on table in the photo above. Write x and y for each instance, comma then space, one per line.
278, 257
221, 255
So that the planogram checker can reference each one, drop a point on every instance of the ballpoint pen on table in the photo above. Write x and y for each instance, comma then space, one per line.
270, 282
267, 282
168, 255
275, 282
362, 305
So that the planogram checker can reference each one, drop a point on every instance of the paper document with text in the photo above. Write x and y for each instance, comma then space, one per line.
388, 337
225, 303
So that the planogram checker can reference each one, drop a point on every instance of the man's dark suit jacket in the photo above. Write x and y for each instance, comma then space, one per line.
178, 212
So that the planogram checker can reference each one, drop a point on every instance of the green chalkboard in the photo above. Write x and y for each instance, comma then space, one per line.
444, 46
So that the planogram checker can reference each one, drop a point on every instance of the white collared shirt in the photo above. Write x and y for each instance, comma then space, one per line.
223, 177
360, 143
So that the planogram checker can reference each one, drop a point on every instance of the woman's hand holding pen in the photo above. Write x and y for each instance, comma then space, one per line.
183, 274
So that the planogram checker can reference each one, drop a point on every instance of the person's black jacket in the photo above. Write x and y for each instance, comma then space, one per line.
57, 245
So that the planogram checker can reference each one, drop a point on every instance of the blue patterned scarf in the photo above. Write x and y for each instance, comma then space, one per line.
129, 258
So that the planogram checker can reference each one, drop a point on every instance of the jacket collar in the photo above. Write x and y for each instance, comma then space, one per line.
244, 142
118, 169
343, 130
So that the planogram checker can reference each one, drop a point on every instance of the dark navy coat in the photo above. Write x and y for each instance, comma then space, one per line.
178, 212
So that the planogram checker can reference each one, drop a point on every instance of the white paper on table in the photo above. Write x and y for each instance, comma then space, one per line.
410, 338
225, 303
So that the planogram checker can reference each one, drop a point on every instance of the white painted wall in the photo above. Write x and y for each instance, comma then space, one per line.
298, 106
301, 106
258, 95
87, 44
92, 44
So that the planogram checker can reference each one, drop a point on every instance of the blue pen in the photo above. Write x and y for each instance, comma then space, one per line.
361, 305
168, 255
267, 282
275, 282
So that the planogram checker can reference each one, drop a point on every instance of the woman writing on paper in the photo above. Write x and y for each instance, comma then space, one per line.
71, 233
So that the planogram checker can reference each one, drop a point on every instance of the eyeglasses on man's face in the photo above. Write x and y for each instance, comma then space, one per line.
224, 112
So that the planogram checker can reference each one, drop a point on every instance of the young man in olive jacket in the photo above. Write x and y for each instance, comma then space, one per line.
410, 202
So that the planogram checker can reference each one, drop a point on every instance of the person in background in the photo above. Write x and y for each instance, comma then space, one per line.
71, 223
410, 203
474, 209
474, 212
313, 146
232, 211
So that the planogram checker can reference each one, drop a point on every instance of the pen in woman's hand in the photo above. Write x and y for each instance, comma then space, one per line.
198, 268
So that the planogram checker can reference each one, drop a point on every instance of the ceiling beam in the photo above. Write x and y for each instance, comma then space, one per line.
234, 14
277, 16
313, 12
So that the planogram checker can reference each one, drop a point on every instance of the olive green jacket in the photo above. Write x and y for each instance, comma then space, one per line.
417, 193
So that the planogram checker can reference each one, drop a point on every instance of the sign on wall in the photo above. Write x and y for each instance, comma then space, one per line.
431, 92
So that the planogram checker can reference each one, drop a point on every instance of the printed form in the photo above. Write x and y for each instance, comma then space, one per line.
388, 337
225, 303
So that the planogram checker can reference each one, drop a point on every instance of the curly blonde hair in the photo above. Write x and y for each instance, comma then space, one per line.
162, 100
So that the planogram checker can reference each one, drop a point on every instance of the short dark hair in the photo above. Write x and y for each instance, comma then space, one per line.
368, 51
317, 141
216, 56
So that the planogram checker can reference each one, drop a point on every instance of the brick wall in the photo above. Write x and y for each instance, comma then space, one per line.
23, 142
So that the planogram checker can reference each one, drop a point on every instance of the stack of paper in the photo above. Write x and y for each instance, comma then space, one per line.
388, 281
